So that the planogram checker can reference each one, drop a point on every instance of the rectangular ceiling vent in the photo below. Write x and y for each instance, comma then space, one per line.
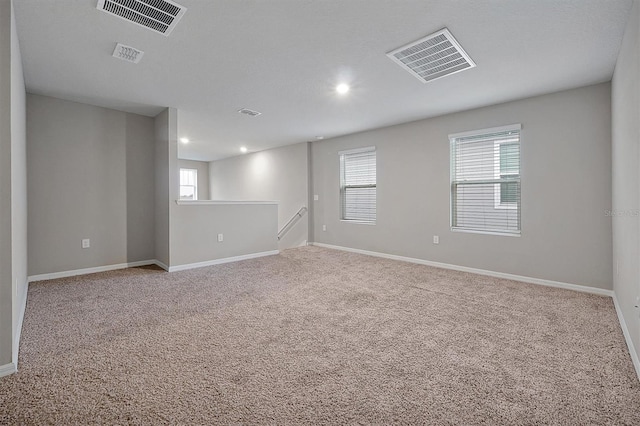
127, 53
432, 57
160, 16
249, 112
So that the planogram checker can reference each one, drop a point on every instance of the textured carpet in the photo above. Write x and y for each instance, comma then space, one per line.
316, 336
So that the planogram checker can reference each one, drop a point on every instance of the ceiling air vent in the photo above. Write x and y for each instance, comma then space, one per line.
249, 112
127, 53
158, 15
432, 57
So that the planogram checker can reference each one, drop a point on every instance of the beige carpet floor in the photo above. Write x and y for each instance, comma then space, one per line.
316, 336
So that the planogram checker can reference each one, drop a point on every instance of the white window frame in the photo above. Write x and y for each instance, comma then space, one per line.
452, 193
343, 185
498, 204
195, 185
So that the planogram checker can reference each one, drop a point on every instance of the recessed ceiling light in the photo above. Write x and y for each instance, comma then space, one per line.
184, 140
243, 149
249, 112
342, 88
319, 138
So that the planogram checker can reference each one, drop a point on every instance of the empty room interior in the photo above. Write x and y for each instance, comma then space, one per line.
320, 212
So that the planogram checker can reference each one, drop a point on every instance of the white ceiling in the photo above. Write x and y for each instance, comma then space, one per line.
284, 58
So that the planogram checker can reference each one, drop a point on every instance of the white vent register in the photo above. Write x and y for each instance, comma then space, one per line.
127, 53
160, 16
432, 57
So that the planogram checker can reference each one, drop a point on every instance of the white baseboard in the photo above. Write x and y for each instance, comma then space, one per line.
7, 369
530, 280
16, 340
141, 263
627, 336
223, 260
75, 272
94, 270
160, 264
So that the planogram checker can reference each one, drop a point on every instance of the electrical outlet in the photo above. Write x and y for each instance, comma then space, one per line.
220, 238
324, 227
436, 239
316, 198
86, 243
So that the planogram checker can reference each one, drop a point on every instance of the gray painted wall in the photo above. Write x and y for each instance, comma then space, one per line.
162, 180
90, 175
6, 291
566, 177
140, 161
246, 228
13, 198
18, 186
626, 178
279, 174
203, 176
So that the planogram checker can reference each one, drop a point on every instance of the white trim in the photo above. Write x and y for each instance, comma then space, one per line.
223, 260
359, 222
160, 264
627, 336
142, 263
220, 202
530, 280
73, 273
357, 150
7, 369
499, 129
485, 232
16, 339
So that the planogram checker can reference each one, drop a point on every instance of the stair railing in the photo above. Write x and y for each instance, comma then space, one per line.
291, 222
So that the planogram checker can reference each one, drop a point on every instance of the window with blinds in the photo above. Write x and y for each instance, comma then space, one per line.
358, 185
188, 184
485, 180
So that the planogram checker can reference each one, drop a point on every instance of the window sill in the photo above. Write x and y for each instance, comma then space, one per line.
218, 202
358, 222
500, 234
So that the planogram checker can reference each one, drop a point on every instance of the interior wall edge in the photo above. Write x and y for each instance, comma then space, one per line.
627, 335
23, 308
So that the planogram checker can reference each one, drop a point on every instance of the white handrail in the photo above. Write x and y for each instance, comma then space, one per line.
289, 224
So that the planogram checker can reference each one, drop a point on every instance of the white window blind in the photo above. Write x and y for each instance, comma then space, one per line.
188, 184
358, 184
485, 180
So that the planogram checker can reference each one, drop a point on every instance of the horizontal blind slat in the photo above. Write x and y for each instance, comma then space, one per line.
359, 186
485, 182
